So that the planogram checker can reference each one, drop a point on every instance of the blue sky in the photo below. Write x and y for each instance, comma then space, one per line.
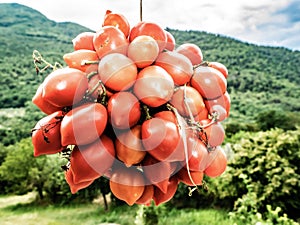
263, 22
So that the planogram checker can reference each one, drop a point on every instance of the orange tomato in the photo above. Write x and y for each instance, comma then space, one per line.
117, 20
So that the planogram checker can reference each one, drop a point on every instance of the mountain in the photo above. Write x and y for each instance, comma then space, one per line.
260, 78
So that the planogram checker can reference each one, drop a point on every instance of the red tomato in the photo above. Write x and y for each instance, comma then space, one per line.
223, 101
177, 65
147, 196
75, 187
214, 134
192, 51
84, 40
202, 115
89, 162
154, 86
129, 147
183, 176
198, 156
143, 51
127, 184
171, 42
218, 164
110, 39
117, 20
45, 136
84, 124
161, 139
160, 197
157, 172
117, 71
76, 60
124, 110
209, 82
42, 104
65, 87
149, 29
219, 66
192, 98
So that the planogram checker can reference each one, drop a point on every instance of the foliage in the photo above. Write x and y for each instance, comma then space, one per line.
269, 162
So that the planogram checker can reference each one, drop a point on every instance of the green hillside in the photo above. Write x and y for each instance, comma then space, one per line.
261, 78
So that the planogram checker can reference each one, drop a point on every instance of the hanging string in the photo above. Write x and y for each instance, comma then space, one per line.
141, 10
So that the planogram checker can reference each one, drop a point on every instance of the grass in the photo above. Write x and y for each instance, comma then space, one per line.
94, 214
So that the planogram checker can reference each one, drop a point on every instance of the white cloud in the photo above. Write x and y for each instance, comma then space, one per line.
255, 21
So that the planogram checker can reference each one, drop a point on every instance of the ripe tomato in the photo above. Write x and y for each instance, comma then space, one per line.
198, 156
192, 51
192, 98
117, 20
129, 147
45, 136
76, 59
171, 42
83, 124
202, 115
154, 86
157, 172
127, 184
183, 176
143, 51
160, 197
65, 87
110, 39
123, 110
84, 40
89, 162
209, 82
117, 71
42, 104
218, 164
219, 66
147, 196
223, 101
177, 65
213, 134
161, 139
149, 29
75, 187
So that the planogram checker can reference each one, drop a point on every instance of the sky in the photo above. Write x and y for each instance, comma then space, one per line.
262, 22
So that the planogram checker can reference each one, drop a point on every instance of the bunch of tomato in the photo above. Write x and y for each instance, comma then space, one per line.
133, 107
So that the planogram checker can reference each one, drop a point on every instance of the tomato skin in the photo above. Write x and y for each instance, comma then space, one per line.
219, 66
69, 177
65, 87
193, 99
213, 134
76, 60
42, 104
159, 197
150, 29
129, 147
123, 110
89, 162
46, 138
183, 176
84, 40
171, 42
209, 82
218, 164
154, 86
117, 20
192, 51
147, 196
117, 71
83, 124
127, 180
110, 39
143, 51
223, 101
157, 172
177, 65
